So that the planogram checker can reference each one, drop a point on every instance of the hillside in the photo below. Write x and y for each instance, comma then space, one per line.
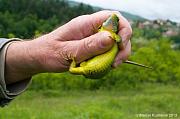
125, 14
132, 16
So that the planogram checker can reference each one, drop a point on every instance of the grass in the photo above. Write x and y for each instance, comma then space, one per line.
156, 99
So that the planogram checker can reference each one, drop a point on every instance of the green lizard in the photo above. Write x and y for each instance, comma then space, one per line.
100, 65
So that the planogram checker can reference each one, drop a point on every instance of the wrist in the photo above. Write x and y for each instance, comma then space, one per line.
19, 62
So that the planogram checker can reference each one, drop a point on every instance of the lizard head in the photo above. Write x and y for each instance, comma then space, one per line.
111, 24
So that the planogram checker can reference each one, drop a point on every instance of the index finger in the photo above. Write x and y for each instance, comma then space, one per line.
87, 25
95, 20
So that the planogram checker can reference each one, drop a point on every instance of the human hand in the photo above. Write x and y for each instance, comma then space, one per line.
78, 38
83, 31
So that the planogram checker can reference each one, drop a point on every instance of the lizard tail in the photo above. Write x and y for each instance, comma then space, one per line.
137, 64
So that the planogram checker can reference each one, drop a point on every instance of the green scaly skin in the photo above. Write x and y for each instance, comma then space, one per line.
100, 65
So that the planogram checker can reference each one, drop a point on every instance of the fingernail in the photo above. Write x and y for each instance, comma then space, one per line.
117, 63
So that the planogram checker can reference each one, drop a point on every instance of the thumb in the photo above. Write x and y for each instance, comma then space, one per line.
93, 45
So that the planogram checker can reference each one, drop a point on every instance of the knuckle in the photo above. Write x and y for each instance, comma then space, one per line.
66, 53
95, 44
88, 45
129, 32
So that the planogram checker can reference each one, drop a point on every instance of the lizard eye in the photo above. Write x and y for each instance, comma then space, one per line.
99, 27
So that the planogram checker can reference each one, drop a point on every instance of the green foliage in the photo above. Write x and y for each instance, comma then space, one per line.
62, 81
11, 35
138, 32
151, 33
176, 38
148, 33
23, 18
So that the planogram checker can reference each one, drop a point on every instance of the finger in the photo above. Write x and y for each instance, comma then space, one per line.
122, 55
125, 31
93, 45
83, 26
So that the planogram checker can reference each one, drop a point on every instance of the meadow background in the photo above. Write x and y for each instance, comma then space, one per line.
127, 92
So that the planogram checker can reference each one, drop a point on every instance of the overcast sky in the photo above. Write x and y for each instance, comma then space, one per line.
151, 9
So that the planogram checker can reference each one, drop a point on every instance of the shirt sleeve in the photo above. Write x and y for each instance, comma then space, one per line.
9, 92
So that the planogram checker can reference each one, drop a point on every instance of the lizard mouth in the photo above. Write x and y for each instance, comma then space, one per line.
111, 24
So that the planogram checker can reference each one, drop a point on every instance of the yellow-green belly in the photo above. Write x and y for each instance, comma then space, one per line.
98, 66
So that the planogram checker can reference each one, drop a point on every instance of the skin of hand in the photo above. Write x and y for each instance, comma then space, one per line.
53, 52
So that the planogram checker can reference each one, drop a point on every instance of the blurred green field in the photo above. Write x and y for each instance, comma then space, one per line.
99, 104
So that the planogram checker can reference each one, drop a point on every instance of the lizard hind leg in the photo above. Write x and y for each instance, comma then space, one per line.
73, 63
75, 70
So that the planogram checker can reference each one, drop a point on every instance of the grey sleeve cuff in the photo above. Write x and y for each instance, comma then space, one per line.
9, 92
